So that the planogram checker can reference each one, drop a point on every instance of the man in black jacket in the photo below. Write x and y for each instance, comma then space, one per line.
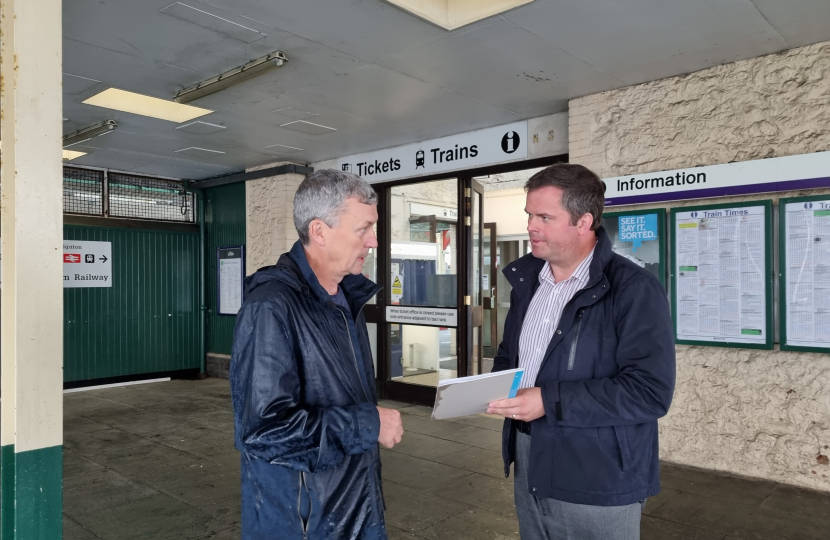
305, 412
593, 332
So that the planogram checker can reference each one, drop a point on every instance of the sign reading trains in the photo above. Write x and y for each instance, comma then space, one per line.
87, 264
487, 146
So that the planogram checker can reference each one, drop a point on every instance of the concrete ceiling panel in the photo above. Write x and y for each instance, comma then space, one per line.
503, 65
383, 77
788, 18
619, 36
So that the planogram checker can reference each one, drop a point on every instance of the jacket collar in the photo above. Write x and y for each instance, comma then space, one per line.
524, 272
357, 288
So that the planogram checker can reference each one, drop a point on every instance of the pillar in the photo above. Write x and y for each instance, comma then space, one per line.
31, 309
270, 217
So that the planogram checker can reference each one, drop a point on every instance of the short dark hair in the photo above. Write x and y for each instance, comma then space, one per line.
583, 191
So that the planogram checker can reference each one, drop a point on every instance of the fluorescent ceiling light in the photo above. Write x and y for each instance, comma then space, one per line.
121, 100
232, 77
85, 134
69, 155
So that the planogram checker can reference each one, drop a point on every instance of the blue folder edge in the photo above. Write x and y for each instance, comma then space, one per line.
517, 378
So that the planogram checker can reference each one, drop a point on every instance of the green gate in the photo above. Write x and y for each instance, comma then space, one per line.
148, 321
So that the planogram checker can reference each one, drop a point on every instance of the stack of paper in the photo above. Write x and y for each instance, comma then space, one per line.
471, 395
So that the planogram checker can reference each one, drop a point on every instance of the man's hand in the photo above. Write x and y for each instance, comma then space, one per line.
527, 405
391, 428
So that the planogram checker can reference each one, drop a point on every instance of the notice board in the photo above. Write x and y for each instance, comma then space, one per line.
722, 275
804, 273
230, 279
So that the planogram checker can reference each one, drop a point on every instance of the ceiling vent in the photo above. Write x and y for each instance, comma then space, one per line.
452, 14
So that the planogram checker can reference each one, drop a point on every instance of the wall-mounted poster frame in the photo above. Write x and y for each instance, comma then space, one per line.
640, 227
683, 221
819, 208
230, 279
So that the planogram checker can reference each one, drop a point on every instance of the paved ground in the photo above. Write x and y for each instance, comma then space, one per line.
156, 461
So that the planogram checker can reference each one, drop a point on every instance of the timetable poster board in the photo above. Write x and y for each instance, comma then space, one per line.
721, 275
640, 237
230, 279
804, 251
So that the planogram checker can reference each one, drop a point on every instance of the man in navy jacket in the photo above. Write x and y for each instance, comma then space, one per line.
593, 332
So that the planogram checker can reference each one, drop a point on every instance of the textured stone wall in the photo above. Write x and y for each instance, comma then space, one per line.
756, 413
776, 105
269, 217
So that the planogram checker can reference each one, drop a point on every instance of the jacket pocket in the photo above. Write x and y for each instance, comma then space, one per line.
575, 341
622, 443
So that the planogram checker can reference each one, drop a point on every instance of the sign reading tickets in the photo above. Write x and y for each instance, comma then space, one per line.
721, 282
422, 316
87, 264
498, 144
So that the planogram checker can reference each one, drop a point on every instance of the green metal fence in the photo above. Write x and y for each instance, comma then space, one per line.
148, 321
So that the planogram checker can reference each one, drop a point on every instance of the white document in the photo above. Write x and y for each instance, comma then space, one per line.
808, 273
471, 395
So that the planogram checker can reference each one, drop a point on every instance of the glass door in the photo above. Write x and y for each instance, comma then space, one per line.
423, 247
489, 289
474, 294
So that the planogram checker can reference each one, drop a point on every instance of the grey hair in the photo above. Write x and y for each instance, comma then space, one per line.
322, 195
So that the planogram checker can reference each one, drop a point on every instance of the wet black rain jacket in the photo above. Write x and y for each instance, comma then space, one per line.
305, 411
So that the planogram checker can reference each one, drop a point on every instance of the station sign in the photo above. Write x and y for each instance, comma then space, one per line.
806, 171
87, 264
488, 146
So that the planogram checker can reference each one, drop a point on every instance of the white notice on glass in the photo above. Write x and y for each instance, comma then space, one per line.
231, 280
807, 246
720, 272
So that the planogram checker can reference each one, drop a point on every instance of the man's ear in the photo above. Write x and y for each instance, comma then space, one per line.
584, 223
317, 230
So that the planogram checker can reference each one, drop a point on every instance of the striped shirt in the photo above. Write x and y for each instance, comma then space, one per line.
543, 316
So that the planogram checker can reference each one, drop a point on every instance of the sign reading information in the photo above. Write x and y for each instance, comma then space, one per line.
87, 264
721, 275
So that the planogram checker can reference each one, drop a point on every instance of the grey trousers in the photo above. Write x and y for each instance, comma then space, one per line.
549, 519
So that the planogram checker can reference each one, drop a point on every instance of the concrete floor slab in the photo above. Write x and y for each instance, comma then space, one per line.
102, 442
74, 463
99, 490
485, 492
411, 510
474, 524
486, 462
156, 461
417, 473
426, 447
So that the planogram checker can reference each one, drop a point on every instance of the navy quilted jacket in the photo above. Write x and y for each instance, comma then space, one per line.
608, 374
